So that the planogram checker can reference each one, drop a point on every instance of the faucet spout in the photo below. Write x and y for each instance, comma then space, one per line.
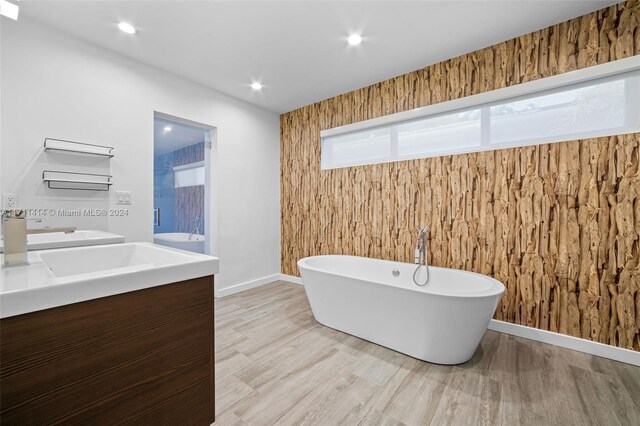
14, 231
421, 255
196, 229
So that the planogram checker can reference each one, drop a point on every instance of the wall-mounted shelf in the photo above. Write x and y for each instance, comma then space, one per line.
77, 147
76, 181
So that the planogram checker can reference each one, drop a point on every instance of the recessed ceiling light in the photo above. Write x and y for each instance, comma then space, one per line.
354, 39
9, 10
256, 86
125, 27
167, 128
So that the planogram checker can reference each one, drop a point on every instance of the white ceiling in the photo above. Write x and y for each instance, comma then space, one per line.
298, 49
179, 136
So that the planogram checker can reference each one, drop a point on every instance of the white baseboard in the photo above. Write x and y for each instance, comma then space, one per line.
291, 279
247, 285
569, 342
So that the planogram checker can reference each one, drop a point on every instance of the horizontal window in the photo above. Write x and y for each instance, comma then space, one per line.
571, 113
440, 133
189, 174
592, 108
367, 146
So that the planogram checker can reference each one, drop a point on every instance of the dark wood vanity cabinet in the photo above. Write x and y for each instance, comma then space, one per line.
144, 357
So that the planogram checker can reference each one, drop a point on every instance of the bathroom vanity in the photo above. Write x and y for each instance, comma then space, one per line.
108, 335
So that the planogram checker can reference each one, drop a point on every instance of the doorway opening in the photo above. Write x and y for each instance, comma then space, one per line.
182, 183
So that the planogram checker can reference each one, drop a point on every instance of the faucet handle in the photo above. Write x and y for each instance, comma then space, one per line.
14, 214
422, 231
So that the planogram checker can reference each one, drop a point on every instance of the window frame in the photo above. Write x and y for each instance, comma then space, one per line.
185, 167
612, 71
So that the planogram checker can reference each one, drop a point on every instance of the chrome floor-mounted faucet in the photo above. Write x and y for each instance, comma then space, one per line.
421, 255
195, 229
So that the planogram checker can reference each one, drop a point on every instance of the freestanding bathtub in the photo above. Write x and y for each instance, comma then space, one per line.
180, 240
442, 322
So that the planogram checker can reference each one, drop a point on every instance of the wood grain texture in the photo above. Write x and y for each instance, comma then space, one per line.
189, 208
189, 200
309, 374
180, 207
189, 154
558, 224
139, 358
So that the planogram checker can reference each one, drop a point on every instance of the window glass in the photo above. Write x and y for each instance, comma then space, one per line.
448, 132
351, 148
582, 110
600, 107
189, 177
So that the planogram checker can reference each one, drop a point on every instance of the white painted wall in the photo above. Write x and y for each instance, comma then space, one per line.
54, 85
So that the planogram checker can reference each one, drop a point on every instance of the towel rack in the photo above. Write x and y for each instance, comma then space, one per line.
51, 144
56, 179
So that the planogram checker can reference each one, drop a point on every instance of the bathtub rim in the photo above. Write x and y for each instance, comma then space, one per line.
492, 293
167, 236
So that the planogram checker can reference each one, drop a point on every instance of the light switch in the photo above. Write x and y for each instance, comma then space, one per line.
124, 197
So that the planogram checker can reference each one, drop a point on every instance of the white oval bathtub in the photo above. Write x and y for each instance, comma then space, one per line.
442, 322
180, 240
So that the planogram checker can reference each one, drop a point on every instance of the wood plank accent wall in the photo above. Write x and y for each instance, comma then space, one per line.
558, 224
189, 200
189, 208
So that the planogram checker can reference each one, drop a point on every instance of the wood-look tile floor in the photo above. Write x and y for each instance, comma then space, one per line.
276, 365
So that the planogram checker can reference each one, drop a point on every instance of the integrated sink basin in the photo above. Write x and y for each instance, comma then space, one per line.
63, 276
109, 260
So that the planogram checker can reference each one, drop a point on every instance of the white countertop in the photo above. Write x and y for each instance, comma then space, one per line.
70, 275
77, 238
